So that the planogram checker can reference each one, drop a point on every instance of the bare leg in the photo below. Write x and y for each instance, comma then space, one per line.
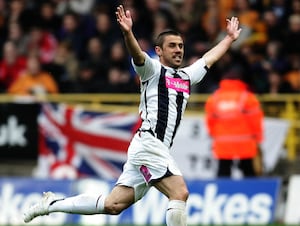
175, 189
120, 198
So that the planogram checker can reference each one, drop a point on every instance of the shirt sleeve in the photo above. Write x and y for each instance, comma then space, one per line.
196, 71
148, 69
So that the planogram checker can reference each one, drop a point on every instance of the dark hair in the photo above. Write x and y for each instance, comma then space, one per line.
161, 37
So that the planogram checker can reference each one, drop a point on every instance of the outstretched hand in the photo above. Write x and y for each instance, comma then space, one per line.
232, 28
124, 19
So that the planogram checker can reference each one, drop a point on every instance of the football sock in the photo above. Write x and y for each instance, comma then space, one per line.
176, 215
80, 204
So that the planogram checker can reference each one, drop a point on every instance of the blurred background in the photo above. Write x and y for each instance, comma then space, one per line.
69, 103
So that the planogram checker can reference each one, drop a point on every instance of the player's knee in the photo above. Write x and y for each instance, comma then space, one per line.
181, 194
185, 195
113, 208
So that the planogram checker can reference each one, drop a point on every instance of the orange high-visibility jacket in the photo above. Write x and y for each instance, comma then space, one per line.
24, 84
234, 120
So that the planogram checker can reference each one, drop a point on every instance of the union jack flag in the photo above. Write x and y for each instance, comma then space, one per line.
76, 143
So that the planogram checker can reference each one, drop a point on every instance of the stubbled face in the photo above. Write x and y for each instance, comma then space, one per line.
171, 53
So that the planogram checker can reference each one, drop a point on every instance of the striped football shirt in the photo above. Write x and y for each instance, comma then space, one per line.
164, 95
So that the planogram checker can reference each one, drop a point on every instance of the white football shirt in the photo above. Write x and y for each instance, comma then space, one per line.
164, 95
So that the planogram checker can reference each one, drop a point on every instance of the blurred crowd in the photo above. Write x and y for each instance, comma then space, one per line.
75, 46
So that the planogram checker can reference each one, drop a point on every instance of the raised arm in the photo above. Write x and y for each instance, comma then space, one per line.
125, 22
233, 32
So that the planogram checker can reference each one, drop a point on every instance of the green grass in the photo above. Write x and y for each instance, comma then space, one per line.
273, 224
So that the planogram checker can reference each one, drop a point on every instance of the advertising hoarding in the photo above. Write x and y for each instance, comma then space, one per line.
224, 201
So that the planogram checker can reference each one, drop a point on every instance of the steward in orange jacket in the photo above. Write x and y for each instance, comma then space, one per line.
234, 120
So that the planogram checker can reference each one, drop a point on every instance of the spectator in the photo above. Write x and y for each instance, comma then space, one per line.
118, 56
234, 121
3, 15
34, 81
293, 75
274, 57
87, 80
271, 59
225, 8
120, 81
65, 56
256, 74
20, 13
274, 30
281, 9
70, 32
18, 37
140, 15
77, 6
253, 28
277, 84
295, 7
160, 23
249, 17
200, 23
104, 30
64, 67
11, 65
292, 37
211, 21
41, 43
96, 57
47, 17
16, 8
162, 17
188, 11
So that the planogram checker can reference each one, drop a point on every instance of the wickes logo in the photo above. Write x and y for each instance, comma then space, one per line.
12, 134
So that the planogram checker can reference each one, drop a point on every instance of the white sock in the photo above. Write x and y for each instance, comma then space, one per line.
80, 204
176, 215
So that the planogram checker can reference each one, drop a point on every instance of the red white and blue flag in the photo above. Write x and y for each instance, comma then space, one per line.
76, 143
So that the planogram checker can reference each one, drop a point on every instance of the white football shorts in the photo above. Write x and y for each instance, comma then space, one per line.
148, 160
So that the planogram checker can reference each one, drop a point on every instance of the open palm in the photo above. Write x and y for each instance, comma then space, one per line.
233, 29
124, 18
